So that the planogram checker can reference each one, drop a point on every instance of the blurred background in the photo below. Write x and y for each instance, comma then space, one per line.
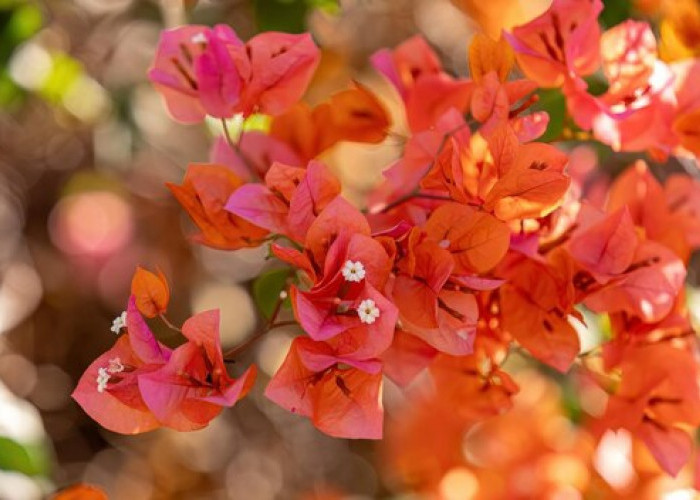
85, 150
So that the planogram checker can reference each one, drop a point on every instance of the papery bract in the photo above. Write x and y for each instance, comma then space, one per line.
340, 401
151, 292
196, 69
657, 396
192, 387
281, 67
561, 43
204, 192
118, 405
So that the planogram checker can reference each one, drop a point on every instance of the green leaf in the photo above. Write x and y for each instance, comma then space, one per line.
553, 102
615, 11
281, 15
26, 20
29, 459
267, 288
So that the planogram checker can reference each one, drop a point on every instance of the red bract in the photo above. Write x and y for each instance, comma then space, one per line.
623, 273
108, 390
560, 44
209, 71
416, 73
432, 304
191, 388
140, 385
340, 400
475, 253
657, 398
256, 153
289, 201
196, 69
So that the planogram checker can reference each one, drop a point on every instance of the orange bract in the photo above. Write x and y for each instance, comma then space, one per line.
486, 54
151, 292
204, 193
351, 115
477, 240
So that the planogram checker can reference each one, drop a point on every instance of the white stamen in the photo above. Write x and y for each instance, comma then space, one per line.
368, 311
115, 365
102, 379
199, 38
283, 295
353, 271
119, 323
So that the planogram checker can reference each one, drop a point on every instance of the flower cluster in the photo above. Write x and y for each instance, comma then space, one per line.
475, 244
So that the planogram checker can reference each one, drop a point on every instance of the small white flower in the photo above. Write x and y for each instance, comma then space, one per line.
119, 323
102, 379
283, 295
353, 271
368, 311
199, 38
115, 365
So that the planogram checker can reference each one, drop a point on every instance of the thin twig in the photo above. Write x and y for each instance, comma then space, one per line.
168, 323
236, 148
416, 193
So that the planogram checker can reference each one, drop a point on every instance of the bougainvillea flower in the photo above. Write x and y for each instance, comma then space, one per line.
535, 306
657, 397
151, 292
621, 272
635, 119
607, 247
475, 386
108, 390
340, 400
431, 162
289, 201
347, 294
486, 55
209, 71
477, 241
440, 313
648, 287
192, 387
531, 180
434, 95
406, 358
281, 67
205, 190
427, 91
628, 56
561, 43
638, 190
490, 63
408, 62
195, 70
255, 154
640, 121
354, 114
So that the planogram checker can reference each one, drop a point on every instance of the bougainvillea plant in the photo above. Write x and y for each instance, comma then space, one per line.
479, 241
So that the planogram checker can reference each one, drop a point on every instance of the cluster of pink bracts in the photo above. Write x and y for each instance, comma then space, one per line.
476, 240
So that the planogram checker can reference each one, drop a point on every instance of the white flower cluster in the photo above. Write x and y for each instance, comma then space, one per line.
119, 323
105, 373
